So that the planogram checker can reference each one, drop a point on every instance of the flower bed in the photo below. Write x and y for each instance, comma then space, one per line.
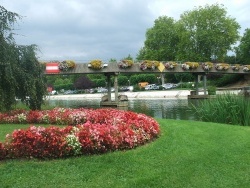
126, 63
94, 131
190, 65
67, 65
207, 66
97, 64
170, 65
235, 67
246, 68
222, 66
147, 64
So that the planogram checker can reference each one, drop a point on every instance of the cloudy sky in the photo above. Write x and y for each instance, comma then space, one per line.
83, 30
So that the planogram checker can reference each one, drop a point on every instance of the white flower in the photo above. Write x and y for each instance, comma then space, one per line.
74, 143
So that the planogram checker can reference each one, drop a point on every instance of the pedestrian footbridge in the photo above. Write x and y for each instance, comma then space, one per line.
156, 67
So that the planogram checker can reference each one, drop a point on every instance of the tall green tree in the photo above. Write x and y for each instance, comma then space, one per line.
7, 51
20, 72
161, 41
243, 50
30, 86
206, 33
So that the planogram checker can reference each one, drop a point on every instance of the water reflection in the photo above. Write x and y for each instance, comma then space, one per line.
165, 108
180, 109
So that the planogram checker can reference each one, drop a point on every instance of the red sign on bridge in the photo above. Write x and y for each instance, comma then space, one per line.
52, 68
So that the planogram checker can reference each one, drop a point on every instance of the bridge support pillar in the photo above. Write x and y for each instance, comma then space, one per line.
196, 84
109, 86
205, 84
116, 87
121, 102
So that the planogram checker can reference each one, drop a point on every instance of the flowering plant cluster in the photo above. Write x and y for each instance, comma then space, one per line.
103, 130
235, 67
246, 68
59, 116
170, 65
66, 65
97, 64
126, 63
147, 64
207, 66
222, 66
190, 65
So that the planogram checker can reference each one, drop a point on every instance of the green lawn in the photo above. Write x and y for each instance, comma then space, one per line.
187, 154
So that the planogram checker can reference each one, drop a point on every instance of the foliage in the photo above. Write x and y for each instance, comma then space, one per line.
150, 78
7, 20
236, 67
123, 80
170, 65
207, 66
223, 80
83, 82
96, 64
190, 65
184, 77
7, 58
246, 68
222, 66
203, 34
227, 108
99, 82
206, 32
113, 60
20, 72
29, 76
211, 90
232, 59
126, 63
243, 49
161, 41
148, 64
66, 65
96, 131
129, 57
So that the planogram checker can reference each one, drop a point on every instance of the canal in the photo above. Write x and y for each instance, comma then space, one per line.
179, 109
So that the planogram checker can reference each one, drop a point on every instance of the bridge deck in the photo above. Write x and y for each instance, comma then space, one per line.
82, 68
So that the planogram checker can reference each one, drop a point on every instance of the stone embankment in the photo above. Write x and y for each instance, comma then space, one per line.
131, 95
168, 94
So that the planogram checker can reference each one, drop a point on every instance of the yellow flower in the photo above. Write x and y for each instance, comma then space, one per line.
96, 64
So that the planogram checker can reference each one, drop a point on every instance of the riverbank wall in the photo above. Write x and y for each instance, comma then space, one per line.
168, 94
131, 95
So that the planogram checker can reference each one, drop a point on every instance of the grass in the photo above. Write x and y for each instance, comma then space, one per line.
226, 108
187, 154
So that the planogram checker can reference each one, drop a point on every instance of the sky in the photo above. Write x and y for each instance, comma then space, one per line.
83, 30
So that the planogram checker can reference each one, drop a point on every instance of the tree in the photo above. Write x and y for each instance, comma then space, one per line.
83, 82
150, 78
243, 50
123, 80
112, 60
20, 72
161, 41
206, 33
129, 57
30, 87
